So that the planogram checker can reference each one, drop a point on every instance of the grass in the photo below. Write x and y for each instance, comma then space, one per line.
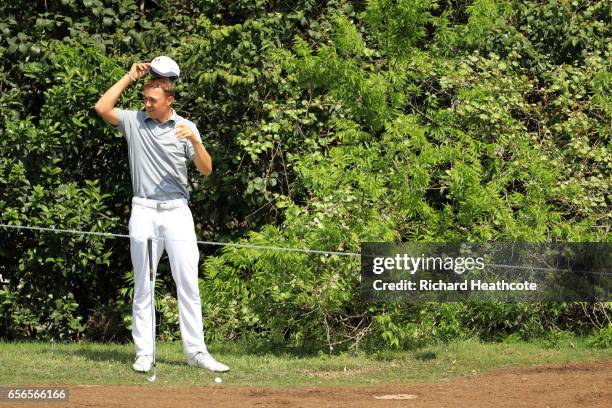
95, 363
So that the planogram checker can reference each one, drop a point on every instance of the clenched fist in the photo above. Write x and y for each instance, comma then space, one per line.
184, 131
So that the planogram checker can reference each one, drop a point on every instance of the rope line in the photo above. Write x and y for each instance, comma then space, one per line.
252, 246
213, 243
65, 231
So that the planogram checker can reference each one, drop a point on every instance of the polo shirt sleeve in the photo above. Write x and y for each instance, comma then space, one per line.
189, 150
126, 118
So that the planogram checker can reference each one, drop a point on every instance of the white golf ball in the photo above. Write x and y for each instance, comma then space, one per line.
218, 380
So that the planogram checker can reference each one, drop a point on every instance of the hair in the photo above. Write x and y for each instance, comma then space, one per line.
163, 83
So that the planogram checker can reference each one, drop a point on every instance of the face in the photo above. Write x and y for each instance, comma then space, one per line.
157, 104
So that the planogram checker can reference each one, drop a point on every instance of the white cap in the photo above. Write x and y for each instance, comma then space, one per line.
165, 67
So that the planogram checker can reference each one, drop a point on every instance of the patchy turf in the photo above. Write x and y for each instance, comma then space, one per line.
583, 384
96, 364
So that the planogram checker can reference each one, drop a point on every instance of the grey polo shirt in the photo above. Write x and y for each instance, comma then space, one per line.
158, 160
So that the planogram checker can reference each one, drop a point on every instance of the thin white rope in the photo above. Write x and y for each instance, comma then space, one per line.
252, 246
215, 243
65, 231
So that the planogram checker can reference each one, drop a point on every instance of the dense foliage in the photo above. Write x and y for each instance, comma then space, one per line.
330, 123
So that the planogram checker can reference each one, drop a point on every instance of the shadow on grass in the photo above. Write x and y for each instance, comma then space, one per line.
262, 347
425, 355
116, 352
113, 356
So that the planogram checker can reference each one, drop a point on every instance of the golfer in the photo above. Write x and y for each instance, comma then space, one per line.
160, 142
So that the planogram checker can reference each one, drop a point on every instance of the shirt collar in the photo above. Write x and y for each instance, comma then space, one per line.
173, 117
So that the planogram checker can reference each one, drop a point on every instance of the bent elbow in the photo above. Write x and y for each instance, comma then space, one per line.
99, 109
204, 169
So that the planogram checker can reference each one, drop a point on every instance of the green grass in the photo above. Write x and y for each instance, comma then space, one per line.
94, 363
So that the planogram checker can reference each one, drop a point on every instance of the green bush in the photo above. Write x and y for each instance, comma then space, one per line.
330, 123
602, 338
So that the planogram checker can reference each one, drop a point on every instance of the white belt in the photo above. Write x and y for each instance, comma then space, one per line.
160, 204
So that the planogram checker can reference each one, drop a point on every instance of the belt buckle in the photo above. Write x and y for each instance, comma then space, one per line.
159, 206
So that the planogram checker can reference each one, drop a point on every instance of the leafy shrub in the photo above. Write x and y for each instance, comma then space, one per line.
330, 123
602, 338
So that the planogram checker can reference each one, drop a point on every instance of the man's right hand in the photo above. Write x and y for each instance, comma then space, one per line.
139, 70
106, 104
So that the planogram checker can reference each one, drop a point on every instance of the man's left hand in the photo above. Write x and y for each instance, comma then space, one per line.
184, 131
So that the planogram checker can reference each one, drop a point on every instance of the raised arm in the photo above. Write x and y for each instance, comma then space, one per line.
105, 107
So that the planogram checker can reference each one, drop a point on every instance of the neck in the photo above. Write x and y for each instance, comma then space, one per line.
166, 116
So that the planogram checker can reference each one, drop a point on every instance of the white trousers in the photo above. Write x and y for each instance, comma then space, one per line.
172, 221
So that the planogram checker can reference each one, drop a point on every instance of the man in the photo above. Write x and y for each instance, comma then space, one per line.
160, 143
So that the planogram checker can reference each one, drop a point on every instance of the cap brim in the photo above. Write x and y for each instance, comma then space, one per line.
156, 74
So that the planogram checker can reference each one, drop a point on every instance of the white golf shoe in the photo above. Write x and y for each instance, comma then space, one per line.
142, 363
205, 360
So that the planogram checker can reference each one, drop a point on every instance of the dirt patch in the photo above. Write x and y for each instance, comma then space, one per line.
585, 384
